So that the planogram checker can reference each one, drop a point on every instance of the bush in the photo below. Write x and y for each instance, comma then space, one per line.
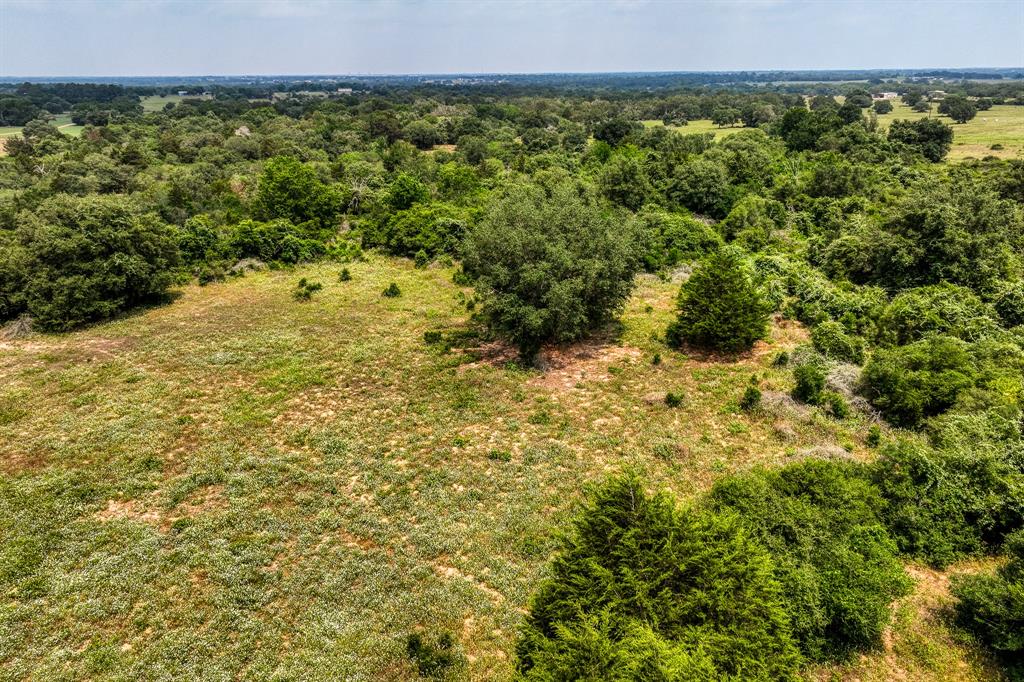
751, 399
431, 229
82, 259
701, 185
673, 399
938, 309
345, 275
640, 585
928, 136
392, 291
305, 289
277, 241
1009, 303
437, 659
836, 564
837, 405
874, 437
911, 383
673, 238
550, 268
810, 382
941, 506
991, 607
833, 341
720, 307
291, 191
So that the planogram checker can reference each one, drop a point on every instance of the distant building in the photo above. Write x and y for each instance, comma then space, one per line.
344, 91
884, 95
182, 93
936, 95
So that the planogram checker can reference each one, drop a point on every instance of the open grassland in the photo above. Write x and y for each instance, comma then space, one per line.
1003, 124
158, 102
694, 127
241, 486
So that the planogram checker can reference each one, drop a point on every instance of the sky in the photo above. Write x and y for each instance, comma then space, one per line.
237, 37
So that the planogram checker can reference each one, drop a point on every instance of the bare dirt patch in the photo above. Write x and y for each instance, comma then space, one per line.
566, 367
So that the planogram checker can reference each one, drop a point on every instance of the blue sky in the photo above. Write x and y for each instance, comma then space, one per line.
193, 37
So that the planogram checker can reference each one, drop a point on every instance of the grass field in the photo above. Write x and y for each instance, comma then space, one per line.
694, 127
237, 485
158, 102
1002, 124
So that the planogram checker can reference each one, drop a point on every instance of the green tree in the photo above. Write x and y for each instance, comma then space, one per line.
642, 590
931, 137
960, 109
89, 258
882, 106
720, 306
551, 267
291, 190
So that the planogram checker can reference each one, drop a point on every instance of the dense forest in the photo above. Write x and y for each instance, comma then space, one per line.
550, 201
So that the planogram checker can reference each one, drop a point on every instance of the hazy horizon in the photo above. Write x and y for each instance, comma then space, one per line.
178, 38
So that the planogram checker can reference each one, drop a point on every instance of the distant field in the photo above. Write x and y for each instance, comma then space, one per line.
694, 127
158, 102
1003, 124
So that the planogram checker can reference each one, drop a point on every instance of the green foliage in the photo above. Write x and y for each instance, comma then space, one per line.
751, 399
837, 566
938, 309
639, 585
911, 383
754, 220
345, 275
991, 607
289, 190
943, 505
720, 306
673, 399
624, 181
832, 340
1009, 303
85, 259
550, 268
701, 185
305, 289
674, 238
874, 437
810, 382
960, 109
433, 228
438, 659
392, 291
275, 241
930, 137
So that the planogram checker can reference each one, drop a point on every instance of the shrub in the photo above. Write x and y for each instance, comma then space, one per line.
432, 337
751, 399
421, 260
701, 185
278, 240
673, 399
836, 564
837, 405
1009, 303
874, 437
911, 383
305, 289
673, 238
991, 607
938, 309
720, 307
941, 506
291, 191
810, 382
436, 659
833, 341
550, 268
431, 229
928, 136
641, 585
345, 275
392, 291
82, 259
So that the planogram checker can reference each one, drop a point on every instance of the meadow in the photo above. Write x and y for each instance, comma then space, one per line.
240, 485
1003, 124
